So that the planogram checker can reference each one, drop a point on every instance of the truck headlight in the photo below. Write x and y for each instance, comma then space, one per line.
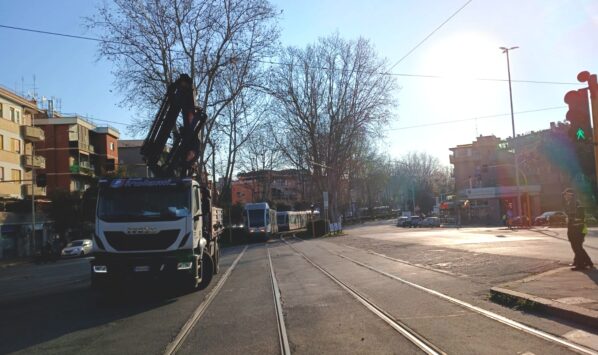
186, 265
100, 269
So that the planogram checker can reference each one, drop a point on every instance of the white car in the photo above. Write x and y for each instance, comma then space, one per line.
80, 247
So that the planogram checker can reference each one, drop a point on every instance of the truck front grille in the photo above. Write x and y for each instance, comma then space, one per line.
129, 242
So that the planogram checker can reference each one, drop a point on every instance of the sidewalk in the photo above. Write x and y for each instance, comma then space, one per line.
9, 262
572, 295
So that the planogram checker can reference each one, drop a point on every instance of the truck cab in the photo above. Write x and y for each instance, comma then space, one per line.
154, 228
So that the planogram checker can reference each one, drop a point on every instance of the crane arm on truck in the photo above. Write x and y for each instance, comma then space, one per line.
178, 161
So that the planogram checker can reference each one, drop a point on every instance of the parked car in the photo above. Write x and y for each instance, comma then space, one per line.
413, 222
552, 219
520, 221
401, 221
430, 222
80, 247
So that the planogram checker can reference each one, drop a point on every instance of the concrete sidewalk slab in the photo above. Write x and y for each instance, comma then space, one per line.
572, 295
6, 263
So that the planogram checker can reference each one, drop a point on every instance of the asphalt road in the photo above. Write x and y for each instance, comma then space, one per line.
379, 289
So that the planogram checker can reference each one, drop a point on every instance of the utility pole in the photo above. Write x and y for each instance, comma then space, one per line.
506, 50
33, 190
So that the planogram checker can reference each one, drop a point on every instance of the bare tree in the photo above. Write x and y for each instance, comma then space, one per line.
220, 44
420, 178
330, 96
261, 156
240, 121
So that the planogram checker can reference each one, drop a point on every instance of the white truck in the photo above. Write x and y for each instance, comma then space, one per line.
163, 227
155, 229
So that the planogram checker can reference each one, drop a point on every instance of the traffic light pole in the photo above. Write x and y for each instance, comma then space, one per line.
592, 81
33, 195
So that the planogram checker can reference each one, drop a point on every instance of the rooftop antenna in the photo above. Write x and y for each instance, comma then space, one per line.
34, 89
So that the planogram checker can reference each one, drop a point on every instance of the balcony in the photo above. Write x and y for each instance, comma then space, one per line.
83, 169
33, 134
81, 146
11, 190
39, 191
37, 162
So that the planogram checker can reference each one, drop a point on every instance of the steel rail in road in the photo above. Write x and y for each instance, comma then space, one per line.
494, 316
175, 345
397, 325
282, 331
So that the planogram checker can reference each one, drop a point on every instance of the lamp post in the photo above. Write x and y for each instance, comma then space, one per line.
506, 50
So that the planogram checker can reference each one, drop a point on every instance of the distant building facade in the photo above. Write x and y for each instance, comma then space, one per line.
19, 140
130, 158
76, 151
484, 173
276, 186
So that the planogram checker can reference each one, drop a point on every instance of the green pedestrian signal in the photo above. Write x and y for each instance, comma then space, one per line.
581, 135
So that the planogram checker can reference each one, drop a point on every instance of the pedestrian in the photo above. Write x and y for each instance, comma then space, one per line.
576, 230
510, 217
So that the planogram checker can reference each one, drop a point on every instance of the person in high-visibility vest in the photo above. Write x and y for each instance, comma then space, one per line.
576, 230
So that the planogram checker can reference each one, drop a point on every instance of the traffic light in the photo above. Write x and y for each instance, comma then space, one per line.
579, 115
41, 180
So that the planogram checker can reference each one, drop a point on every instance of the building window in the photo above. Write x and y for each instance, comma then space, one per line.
1, 110
1, 142
111, 145
1, 173
18, 118
16, 176
12, 114
15, 145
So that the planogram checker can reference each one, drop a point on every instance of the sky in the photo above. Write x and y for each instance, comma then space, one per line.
556, 40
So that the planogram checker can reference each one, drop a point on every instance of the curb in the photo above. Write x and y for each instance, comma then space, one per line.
574, 313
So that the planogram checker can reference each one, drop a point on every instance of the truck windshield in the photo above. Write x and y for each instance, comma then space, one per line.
142, 203
255, 218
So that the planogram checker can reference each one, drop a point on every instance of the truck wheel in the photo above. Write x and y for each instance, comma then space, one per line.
207, 270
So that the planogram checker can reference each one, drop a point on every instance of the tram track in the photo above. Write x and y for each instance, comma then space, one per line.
408, 333
475, 309
186, 329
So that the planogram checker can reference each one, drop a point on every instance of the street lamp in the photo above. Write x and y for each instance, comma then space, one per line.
506, 50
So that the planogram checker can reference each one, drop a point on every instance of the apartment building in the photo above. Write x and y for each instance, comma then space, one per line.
130, 158
277, 186
485, 172
76, 151
17, 139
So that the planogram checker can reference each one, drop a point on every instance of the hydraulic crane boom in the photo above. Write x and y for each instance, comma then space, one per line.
179, 160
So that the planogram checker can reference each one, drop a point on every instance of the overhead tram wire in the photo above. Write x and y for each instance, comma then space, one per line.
439, 123
430, 35
272, 62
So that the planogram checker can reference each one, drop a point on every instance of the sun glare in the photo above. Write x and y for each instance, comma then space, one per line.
461, 60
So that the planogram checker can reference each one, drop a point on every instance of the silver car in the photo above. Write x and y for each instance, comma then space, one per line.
80, 247
430, 222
